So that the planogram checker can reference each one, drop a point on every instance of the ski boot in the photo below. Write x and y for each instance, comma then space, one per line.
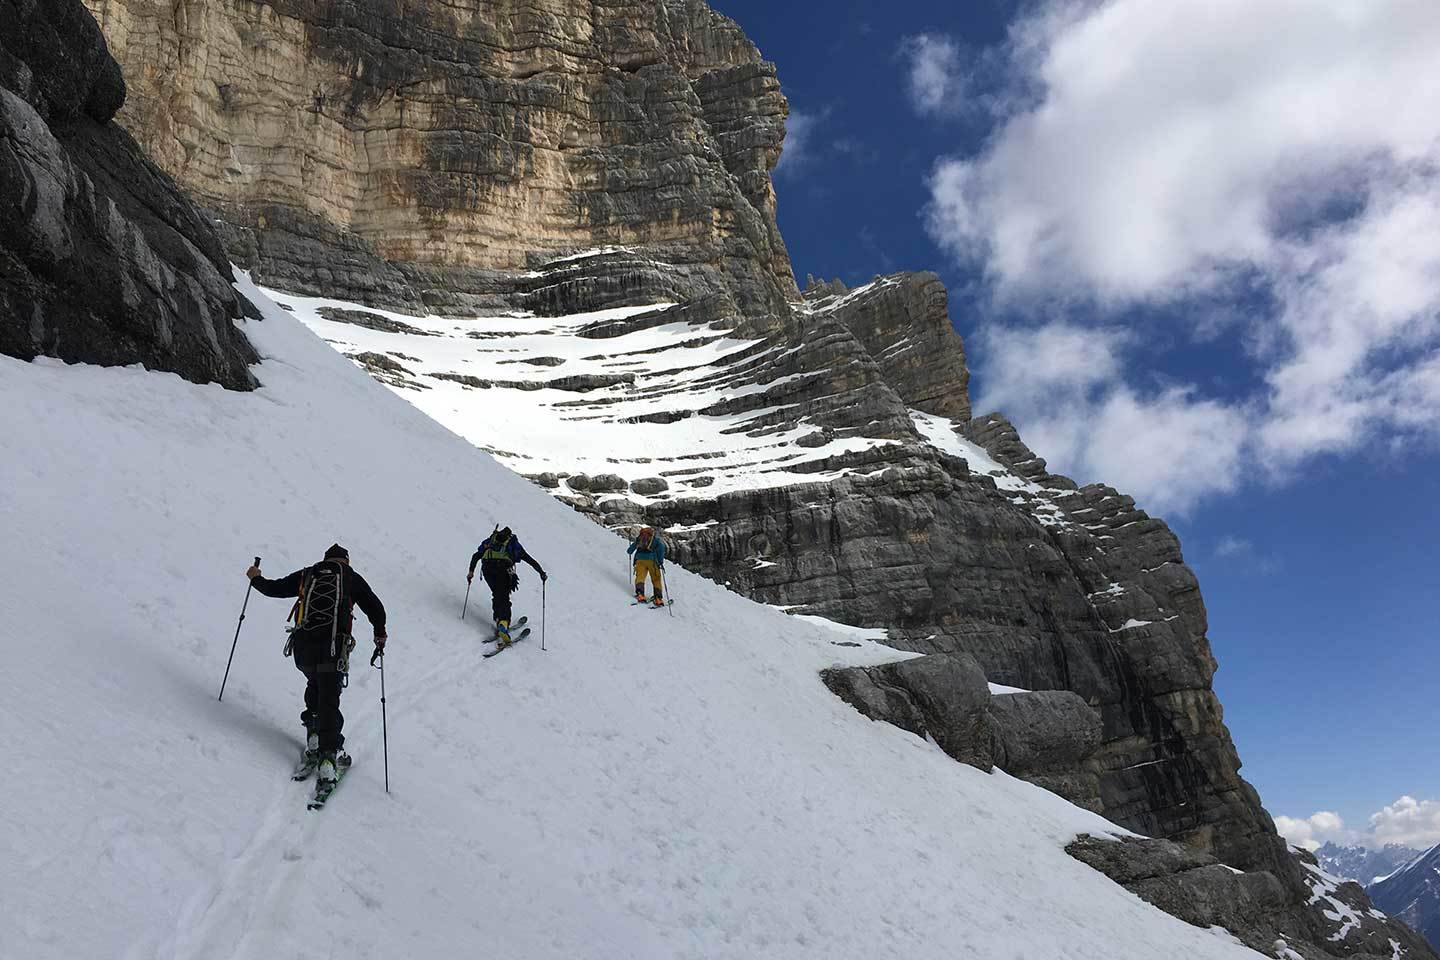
502, 634
657, 601
332, 765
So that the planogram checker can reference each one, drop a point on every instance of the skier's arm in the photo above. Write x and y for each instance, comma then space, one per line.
475, 558
284, 587
659, 551
531, 560
370, 604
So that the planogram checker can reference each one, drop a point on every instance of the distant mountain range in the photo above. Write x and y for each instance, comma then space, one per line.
1364, 865
1412, 894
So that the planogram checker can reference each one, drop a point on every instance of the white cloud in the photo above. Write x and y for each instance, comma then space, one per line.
1407, 821
1311, 832
1414, 823
799, 147
1232, 546
936, 77
1062, 383
1189, 153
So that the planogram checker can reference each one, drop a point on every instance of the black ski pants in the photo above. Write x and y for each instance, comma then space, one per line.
500, 578
323, 683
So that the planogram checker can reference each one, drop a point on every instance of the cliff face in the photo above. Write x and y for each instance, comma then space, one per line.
817, 452
431, 144
101, 259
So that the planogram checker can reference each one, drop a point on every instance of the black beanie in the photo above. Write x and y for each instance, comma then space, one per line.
337, 552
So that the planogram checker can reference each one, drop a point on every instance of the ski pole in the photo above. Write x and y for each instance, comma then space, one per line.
669, 597
542, 615
467, 599
384, 725
250, 586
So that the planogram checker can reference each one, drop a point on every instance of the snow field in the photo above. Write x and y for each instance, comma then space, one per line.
650, 787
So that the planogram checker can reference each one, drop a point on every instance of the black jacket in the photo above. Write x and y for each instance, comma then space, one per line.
356, 592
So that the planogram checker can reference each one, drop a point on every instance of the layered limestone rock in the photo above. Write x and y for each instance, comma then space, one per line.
404, 153
101, 259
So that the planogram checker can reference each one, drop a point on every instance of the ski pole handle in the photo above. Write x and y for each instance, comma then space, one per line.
257, 561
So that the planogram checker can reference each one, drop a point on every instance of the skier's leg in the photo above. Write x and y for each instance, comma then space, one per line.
497, 578
655, 579
327, 702
641, 568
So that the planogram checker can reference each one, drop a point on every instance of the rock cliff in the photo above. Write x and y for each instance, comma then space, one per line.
562, 211
101, 260
401, 153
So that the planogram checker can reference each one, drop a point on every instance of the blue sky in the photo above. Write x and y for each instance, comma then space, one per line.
1194, 251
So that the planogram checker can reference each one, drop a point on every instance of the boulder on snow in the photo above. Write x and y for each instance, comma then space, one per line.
1047, 737
649, 486
943, 696
606, 483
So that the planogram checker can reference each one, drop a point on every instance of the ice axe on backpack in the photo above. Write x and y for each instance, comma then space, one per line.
250, 586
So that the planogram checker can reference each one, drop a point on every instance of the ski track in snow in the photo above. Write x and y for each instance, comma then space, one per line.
650, 787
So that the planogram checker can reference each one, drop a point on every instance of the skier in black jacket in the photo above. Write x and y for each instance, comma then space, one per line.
322, 647
497, 557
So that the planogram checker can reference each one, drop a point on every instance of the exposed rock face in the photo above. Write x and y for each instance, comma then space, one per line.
1258, 908
403, 153
101, 259
1048, 737
944, 697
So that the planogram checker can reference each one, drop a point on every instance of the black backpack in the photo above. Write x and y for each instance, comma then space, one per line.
323, 610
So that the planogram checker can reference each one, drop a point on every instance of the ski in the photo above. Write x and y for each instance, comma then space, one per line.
306, 766
324, 791
515, 627
513, 640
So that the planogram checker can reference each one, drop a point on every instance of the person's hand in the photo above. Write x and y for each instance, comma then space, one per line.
253, 572
544, 576
470, 577
380, 639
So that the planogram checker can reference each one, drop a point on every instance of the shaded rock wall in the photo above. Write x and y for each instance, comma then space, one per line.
432, 142
102, 259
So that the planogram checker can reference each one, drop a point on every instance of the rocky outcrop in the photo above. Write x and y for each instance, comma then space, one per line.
101, 260
1273, 914
942, 697
404, 154
904, 323
1049, 737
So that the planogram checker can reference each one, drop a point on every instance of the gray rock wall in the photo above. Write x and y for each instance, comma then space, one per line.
101, 259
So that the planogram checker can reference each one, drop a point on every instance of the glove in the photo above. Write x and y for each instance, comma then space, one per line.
470, 577
253, 572
544, 576
379, 648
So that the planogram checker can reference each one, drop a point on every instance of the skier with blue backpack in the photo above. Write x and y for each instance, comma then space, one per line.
649, 553
497, 556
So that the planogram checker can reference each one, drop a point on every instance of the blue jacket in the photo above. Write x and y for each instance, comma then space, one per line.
513, 551
656, 550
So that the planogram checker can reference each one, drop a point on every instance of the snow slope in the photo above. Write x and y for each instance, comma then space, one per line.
650, 787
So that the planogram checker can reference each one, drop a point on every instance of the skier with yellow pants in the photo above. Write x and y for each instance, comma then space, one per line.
649, 553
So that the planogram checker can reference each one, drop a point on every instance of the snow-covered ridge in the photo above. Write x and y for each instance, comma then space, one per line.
650, 787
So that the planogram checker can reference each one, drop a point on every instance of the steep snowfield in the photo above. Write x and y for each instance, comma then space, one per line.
650, 787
